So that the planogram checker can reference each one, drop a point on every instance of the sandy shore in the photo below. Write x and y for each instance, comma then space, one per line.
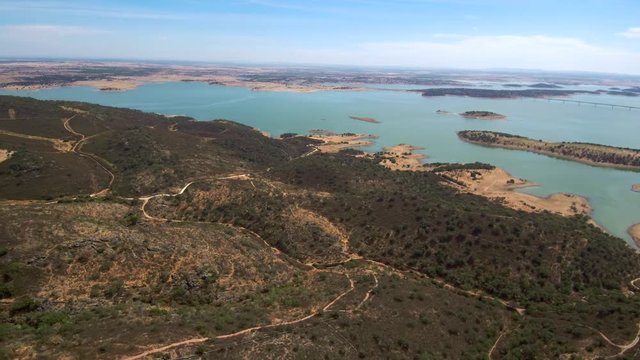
635, 187
337, 142
398, 157
500, 185
402, 157
634, 231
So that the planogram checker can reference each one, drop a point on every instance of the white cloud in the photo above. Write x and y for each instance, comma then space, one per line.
35, 30
450, 36
436, 51
482, 52
631, 33
36, 40
56, 7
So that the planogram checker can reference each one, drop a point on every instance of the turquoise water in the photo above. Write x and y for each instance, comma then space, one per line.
411, 118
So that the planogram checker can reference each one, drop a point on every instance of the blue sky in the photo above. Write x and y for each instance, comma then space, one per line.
585, 35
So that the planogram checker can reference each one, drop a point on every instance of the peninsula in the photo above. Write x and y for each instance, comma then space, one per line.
591, 154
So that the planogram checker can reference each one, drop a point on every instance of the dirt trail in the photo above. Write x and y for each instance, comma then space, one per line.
69, 129
167, 347
77, 148
623, 348
145, 199
60, 145
65, 147
370, 292
309, 267
199, 340
493, 348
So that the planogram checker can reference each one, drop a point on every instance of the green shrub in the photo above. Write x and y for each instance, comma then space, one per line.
131, 219
25, 304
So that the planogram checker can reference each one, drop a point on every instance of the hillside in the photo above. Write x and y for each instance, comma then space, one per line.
592, 154
133, 235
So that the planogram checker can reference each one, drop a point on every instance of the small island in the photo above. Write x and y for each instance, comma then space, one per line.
365, 119
482, 115
545, 86
591, 154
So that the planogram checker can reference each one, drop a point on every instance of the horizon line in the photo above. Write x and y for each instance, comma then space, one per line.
158, 61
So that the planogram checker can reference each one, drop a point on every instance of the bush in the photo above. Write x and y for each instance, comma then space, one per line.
131, 219
5, 291
25, 304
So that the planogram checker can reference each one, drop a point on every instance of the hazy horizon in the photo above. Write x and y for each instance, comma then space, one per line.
586, 36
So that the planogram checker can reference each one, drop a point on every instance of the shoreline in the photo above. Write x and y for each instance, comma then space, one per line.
498, 184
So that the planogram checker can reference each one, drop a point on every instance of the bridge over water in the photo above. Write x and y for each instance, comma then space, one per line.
595, 104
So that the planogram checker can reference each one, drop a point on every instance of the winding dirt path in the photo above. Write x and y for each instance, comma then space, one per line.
623, 348
146, 199
77, 148
199, 340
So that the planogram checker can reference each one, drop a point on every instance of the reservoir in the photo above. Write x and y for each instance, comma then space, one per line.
407, 117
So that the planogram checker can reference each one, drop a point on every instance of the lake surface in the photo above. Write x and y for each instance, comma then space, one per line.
410, 118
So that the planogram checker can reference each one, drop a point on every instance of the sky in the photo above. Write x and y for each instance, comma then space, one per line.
559, 35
